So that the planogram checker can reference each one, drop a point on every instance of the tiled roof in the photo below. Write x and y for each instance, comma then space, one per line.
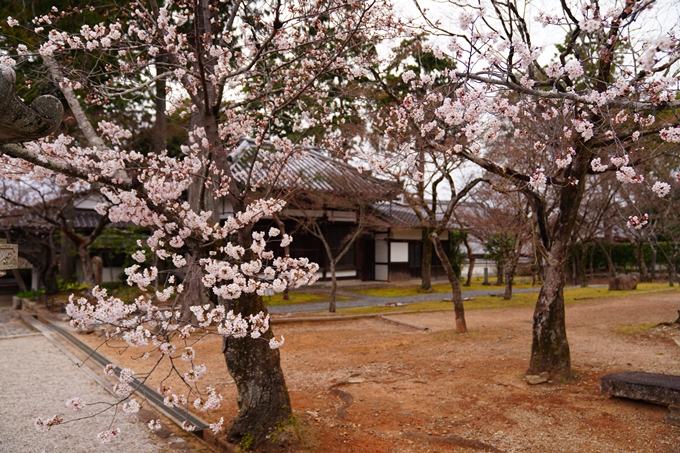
83, 220
310, 170
401, 217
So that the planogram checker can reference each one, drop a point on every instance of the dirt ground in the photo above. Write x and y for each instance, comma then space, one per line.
372, 386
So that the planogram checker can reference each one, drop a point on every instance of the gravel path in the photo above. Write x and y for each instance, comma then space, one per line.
370, 301
11, 325
35, 381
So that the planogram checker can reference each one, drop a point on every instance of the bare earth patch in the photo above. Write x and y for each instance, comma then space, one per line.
372, 386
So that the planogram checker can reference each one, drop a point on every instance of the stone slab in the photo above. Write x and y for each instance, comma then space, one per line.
663, 389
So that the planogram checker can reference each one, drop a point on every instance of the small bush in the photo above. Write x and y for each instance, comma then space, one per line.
70, 285
32, 294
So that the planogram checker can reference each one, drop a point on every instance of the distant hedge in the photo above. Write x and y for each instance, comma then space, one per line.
623, 255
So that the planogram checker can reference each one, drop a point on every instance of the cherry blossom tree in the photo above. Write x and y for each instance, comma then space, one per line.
497, 218
433, 182
231, 69
48, 207
607, 77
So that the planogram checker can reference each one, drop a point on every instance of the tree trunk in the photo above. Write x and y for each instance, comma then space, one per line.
19, 280
160, 129
509, 279
456, 294
67, 260
194, 291
426, 261
263, 399
49, 272
510, 269
581, 269
652, 270
611, 270
334, 287
672, 274
640, 258
550, 348
499, 273
471, 261
286, 250
86, 262
49, 280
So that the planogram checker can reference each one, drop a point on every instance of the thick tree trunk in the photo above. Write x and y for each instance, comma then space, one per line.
426, 261
550, 348
263, 399
194, 290
456, 294
256, 368
499, 273
652, 267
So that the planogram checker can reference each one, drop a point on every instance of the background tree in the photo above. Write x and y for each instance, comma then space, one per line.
498, 219
610, 82
432, 183
48, 205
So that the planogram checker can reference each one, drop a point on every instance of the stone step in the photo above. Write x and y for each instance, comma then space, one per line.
663, 389
655, 388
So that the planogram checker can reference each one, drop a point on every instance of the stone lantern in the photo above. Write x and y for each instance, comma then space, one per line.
22, 123
9, 256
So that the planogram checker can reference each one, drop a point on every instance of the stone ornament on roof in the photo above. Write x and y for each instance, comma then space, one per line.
20, 122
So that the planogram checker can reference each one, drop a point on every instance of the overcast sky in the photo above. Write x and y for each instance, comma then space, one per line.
665, 16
